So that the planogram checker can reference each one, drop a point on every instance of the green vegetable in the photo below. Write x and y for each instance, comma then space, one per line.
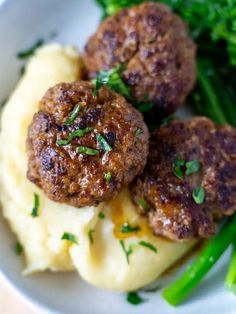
142, 202
77, 133
230, 282
127, 228
87, 151
105, 145
101, 215
145, 107
148, 246
128, 251
19, 248
108, 176
138, 132
178, 168
134, 298
192, 167
113, 81
69, 237
35, 210
182, 287
29, 52
199, 195
73, 115
90, 234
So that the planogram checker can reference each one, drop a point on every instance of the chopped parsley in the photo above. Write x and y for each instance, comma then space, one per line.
113, 81
192, 167
19, 248
35, 210
73, 115
134, 298
77, 133
105, 146
108, 176
87, 151
101, 215
29, 52
199, 195
127, 228
90, 235
138, 132
69, 237
127, 252
148, 246
178, 168
145, 107
167, 120
143, 204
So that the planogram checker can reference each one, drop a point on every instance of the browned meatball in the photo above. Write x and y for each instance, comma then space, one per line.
165, 188
154, 45
86, 157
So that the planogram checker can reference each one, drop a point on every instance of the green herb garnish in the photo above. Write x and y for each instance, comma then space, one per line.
101, 215
108, 176
29, 52
192, 167
69, 237
73, 115
105, 146
142, 202
198, 195
77, 133
113, 81
134, 298
127, 252
148, 245
19, 248
167, 120
230, 282
90, 234
178, 168
138, 132
35, 210
87, 151
127, 228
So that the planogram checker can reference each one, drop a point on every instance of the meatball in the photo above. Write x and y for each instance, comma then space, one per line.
190, 179
82, 149
154, 45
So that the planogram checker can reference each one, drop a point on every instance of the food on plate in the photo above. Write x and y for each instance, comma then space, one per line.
189, 179
153, 44
91, 235
83, 148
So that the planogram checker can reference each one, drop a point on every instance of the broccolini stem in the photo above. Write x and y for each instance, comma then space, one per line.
212, 104
230, 282
182, 287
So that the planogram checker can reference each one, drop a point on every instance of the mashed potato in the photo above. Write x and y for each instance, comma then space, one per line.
99, 258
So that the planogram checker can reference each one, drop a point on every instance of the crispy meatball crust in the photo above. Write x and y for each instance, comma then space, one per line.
171, 209
154, 44
76, 178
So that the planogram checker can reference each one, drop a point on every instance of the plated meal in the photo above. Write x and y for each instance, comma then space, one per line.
108, 179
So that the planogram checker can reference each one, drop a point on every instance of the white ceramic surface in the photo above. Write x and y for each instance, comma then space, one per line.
22, 22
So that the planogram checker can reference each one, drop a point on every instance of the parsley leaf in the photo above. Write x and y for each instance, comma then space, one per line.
69, 237
142, 202
134, 298
145, 107
19, 248
113, 81
108, 176
199, 195
101, 215
77, 133
73, 115
35, 210
178, 170
127, 228
138, 132
192, 167
148, 245
127, 252
105, 145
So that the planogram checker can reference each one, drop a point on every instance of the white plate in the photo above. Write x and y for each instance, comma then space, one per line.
21, 24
